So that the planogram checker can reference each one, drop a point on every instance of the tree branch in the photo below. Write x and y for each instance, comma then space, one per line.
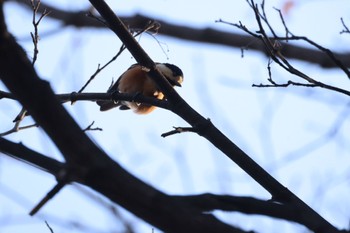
23, 153
87, 163
249, 205
276, 53
113, 96
208, 130
203, 35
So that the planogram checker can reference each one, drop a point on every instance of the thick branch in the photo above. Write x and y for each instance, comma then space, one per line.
203, 35
248, 205
23, 153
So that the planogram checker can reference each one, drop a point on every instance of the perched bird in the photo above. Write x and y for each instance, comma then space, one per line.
136, 81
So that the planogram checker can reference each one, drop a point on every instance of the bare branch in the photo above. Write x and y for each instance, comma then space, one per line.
179, 130
31, 157
17, 122
150, 26
99, 68
284, 84
48, 226
249, 205
275, 50
205, 35
35, 36
288, 33
89, 128
55, 190
74, 97
346, 29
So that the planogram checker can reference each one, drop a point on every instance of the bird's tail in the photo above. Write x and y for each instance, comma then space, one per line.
106, 105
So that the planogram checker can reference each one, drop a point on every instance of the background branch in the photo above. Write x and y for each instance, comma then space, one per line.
203, 35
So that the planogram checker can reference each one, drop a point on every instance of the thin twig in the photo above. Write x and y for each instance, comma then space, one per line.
17, 122
89, 128
16, 128
179, 130
288, 33
35, 36
275, 50
149, 26
99, 68
346, 29
274, 84
47, 224
62, 180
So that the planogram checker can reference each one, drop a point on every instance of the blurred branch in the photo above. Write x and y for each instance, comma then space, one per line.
204, 35
110, 207
40, 161
31, 157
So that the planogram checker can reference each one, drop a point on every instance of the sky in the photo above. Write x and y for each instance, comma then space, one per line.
287, 131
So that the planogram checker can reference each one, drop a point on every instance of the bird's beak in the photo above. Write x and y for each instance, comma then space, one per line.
177, 82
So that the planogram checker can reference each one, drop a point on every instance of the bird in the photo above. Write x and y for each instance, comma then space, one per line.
136, 80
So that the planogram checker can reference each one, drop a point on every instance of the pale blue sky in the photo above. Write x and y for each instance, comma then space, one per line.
271, 125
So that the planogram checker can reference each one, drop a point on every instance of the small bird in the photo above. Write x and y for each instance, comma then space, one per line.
136, 81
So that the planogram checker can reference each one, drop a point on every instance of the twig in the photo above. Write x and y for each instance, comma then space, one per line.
20, 115
16, 128
274, 50
99, 68
35, 36
179, 130
346, 29
47, 224
17, 122
99, 19
274, 84
62, 180
149, 26
284, 24
113, 209
89, 128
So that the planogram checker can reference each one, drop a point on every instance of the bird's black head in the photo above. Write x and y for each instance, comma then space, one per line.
176, 70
